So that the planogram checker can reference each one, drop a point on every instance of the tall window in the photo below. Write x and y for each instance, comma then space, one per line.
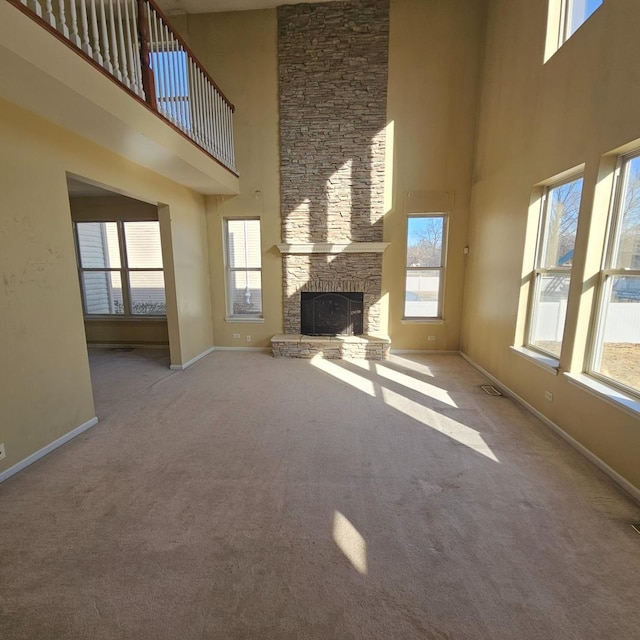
244, 268
171, 78
551, 276
426, 249
573, 14
120, 265
616, 350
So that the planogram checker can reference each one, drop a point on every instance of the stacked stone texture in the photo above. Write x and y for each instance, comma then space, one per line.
308, 347
350, 272
333, 94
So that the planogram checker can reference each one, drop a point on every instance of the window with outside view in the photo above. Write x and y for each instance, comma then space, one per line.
244, 268
426, 248
551, 276
121, 271
616, 344
574, 14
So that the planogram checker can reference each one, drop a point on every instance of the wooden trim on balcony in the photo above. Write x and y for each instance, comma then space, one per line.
54, 32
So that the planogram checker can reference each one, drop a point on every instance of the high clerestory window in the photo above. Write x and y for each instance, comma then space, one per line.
244, 268
425, 265
564, 19
615, 355
120, 267
551, 276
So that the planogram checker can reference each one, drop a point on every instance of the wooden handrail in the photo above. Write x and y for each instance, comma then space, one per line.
129, 52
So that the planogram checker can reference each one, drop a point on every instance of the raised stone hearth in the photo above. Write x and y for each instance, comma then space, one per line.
332, 347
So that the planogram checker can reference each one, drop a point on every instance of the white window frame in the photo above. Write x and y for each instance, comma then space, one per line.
124, 270
539, 270
607, 274
229, 270
441, 268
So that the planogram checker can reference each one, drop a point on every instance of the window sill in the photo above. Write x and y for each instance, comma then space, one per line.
618, 399
422, 321
547, 363
244, 320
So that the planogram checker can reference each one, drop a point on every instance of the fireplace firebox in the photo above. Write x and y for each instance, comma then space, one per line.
331, 314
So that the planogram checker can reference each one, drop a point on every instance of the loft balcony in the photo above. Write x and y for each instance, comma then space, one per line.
115, 72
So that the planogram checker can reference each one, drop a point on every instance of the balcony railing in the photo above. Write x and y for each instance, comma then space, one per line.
133, 42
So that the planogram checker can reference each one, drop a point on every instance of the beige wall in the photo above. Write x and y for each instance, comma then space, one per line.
537, 120
45, 388
240, 51
434, 63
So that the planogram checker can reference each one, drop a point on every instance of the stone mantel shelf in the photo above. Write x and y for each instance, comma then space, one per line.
330, 247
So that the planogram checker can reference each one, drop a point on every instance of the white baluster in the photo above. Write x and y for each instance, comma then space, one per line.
133, 46
218, 125
36, 8
105, 39
93, 16
232, 154
62, 19
192, 97
227, 155
48, 13
201, 114
114, 43
74, 36
123, 48
159, 63
173, 76
180, 83
206, 113
212, 116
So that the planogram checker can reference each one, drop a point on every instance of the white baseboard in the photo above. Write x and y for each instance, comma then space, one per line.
255, 349
186, 365
125, 345
431, 352
19, 466
631, 489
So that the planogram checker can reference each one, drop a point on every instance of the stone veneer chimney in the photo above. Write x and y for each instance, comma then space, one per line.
333, 98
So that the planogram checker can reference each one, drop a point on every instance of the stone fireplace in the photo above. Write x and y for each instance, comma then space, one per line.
332, 166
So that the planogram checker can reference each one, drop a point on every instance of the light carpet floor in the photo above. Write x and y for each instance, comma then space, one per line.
253, 498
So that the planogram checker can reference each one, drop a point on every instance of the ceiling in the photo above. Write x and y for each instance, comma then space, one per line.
212, 6
80, 189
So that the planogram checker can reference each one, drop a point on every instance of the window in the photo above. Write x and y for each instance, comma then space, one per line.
244, 268
551, 276
573, 13
171, 77
120, 265
616, 348
426, 249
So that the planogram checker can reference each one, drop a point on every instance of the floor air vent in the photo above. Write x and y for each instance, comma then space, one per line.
490, 390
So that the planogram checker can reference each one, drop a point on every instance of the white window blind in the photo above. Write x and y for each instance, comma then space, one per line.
244, 268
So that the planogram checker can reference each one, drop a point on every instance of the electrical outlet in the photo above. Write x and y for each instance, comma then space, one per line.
248, 338
3, 453
431, 338
548, 396
236, 336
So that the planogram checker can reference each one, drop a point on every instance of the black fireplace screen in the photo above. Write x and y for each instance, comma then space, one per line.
331, 314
